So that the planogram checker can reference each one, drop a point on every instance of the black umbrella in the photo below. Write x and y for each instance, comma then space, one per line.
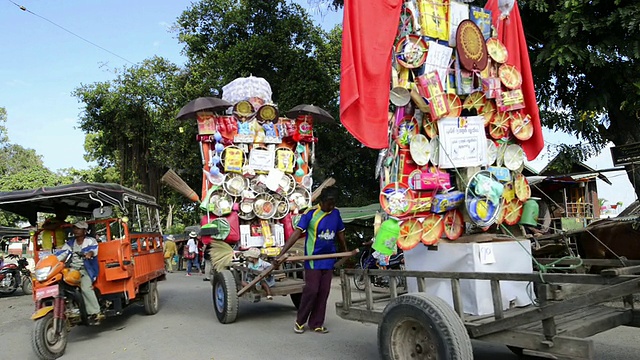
200, 104
319, 114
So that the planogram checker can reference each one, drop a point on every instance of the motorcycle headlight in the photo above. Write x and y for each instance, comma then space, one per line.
43, 273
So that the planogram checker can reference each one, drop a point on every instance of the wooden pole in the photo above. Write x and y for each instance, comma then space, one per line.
287, 258
328, 182
257, 279
345, 254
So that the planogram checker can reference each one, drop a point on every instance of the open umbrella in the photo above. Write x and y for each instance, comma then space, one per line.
319, 114
200, 104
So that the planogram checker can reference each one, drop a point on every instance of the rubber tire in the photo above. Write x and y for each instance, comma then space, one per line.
27, 286
433, 318
295, 299
151, 299
225, 297
39, 339
518, 351
15, 287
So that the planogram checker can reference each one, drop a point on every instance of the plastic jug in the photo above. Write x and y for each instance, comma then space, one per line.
387, 236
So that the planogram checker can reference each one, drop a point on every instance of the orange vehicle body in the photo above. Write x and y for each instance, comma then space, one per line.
124, 263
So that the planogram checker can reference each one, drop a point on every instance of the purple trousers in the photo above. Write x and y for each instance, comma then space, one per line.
313, 304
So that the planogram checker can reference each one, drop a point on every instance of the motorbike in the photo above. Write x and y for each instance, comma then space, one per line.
13, 276
367, 261
59, 304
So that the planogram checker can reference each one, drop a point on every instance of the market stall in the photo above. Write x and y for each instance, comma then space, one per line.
462, 121
257, 163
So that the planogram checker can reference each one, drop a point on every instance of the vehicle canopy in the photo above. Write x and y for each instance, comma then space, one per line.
80, 198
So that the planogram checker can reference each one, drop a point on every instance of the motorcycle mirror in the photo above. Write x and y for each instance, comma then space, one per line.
102, 212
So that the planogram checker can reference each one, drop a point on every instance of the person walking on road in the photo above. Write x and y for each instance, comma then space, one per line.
323, 226
192, 246
169, 252
4, 245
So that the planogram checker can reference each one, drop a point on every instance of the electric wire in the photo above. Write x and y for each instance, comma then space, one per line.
71, 32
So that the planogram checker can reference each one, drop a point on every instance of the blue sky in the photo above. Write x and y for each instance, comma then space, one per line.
41, 64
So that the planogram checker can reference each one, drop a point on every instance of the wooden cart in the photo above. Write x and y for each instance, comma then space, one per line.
570, 307
227, 287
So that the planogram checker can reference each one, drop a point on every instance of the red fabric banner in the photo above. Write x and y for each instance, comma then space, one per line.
511, 33
369, 29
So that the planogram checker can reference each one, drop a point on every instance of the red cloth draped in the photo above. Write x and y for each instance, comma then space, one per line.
369, 29
511, 33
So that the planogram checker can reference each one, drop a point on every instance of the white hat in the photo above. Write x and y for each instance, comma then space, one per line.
170, 237
193, 234
253, 253
81, 225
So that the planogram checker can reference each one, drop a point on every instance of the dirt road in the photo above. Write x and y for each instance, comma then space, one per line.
186, 328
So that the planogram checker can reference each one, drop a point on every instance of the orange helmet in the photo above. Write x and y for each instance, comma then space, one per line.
71, 276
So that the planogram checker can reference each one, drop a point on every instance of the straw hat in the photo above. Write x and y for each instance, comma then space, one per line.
193, 234
253, 253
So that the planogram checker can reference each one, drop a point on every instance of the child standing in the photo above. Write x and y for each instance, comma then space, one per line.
254, 262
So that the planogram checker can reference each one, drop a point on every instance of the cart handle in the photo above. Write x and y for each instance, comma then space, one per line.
287, 258
346, 254
262, 275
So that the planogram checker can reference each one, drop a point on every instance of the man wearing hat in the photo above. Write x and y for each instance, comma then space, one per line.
84, 250
170, 251
192, 246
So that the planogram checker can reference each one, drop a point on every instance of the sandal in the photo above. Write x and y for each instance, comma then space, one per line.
321, 330
298, 329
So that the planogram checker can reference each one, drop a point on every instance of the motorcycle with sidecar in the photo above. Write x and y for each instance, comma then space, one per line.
130, 257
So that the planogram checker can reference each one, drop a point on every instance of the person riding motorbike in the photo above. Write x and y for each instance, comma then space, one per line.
84, 250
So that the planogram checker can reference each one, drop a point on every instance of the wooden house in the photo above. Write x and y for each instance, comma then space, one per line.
571, 197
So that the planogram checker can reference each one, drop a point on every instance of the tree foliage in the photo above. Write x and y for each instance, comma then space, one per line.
130, 124
584, 55
21, 169
129, 121
277, 40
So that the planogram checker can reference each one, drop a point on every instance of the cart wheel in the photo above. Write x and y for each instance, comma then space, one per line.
151, 301
295, 298
225, 297
418, 326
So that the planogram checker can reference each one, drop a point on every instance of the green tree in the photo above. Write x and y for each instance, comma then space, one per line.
130, 124
585, 58
21, 169
276, 40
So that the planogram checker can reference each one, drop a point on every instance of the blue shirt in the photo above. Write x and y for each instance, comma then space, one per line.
322, 229
90, 265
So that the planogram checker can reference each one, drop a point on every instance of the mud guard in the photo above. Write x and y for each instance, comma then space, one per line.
41, 312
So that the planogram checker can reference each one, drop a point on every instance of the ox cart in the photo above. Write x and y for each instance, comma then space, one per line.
570, 307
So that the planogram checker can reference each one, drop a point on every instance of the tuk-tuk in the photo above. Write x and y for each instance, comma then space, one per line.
130, 258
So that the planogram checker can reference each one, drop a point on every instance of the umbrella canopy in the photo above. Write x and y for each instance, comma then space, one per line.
201, 104
244, 88
319, 114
